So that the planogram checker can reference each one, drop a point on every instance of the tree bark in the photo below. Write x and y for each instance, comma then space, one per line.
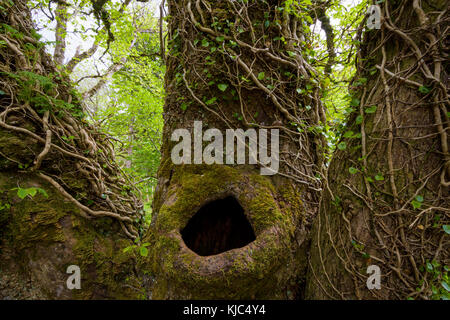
222, 69
387, 197
59, 204
61, 16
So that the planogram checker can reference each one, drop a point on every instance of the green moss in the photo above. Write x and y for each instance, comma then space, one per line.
246, 273
95, 245
15, 147
36, 219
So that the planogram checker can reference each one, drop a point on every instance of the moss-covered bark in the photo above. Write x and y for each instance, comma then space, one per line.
41, 237
50, 228
278, 208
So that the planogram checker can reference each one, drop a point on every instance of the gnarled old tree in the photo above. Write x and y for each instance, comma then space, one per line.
387, 197
225, 230
63, 199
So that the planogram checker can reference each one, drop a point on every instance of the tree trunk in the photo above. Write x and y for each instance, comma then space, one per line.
63, 201
225, 230
387, 197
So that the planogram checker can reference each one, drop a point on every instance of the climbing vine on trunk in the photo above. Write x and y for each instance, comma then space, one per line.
38, 102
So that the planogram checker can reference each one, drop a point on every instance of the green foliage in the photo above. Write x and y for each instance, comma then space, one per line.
140, 248
439, 282
22, 193
446, 228
132, 112
353, 170
40, 92
222, 87
417, 202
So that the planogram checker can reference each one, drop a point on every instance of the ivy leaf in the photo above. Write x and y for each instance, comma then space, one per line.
183, 106
220, 39
355, 102
379, 177
125, 250
371, 109
205, 43
211, 101
359, 119
342, 146
416, 204
222, 87
291, 53
348, 134
31, 191
352, 170
446, 228
419, 198
22, 193
143, 251
424, 89
446, 286
261, 76
266, 24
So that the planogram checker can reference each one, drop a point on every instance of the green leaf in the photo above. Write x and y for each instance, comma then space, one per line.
261, 76
220, 39
291, 53
143, 251
348, 134
211, 101
355, 102
429, 266
266, 23
424, 89
359, 119
419, 198
2, 92
371, 109
446, 286
379, 177
446, 228
184, 106
416, 204
205, 43
352, 170
342, 146
127, 249
32, 191
22, 193
222, 87
299, 91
